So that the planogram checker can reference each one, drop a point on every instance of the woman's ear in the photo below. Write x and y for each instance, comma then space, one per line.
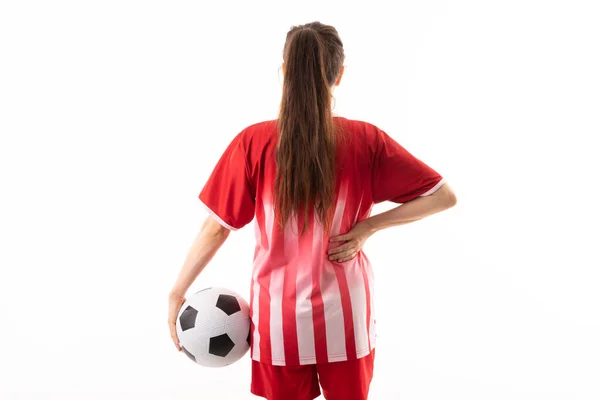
339, 79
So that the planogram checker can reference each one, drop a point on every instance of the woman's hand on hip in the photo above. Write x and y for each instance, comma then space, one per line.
354, 241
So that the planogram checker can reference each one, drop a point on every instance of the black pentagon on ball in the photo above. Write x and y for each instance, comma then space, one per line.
188, 318
228, 304
248, 338
187, 353
220, 345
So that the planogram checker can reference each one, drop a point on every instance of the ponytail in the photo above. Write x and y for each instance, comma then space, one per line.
306, 146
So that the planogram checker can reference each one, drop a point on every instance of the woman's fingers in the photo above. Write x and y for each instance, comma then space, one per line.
174, 335
354, 239
175, 303
344, 247
347, 253
341, 253
346, 257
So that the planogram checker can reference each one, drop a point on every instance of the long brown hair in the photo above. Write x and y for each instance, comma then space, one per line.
306, 149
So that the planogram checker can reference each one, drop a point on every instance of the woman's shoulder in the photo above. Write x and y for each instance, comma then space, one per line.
358, 124
261, 125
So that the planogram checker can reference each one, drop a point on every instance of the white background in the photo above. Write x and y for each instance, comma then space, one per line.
113, 114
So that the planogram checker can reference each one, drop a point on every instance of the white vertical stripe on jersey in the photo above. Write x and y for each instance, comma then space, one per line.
258, 264
359, 297
358, 294
269, 217
330, 290
358, 210
260, 257
276, 323
304, 311
371, 277
373, 327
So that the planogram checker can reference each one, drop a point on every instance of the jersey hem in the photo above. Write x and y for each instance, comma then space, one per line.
313, 360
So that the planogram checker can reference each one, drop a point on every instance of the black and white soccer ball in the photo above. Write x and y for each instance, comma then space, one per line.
213, 327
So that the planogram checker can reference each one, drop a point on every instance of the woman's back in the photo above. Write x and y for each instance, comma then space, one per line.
305, 308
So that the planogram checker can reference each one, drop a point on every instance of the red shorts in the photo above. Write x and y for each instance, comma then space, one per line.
343, 380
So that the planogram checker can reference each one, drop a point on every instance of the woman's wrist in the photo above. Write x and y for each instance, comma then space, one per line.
372, 226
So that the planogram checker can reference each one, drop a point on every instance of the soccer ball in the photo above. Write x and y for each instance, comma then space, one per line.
213, 327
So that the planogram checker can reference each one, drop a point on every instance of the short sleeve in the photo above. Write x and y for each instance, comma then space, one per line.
398, 176
229, 195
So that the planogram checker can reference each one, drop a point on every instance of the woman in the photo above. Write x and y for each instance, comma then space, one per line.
311, 179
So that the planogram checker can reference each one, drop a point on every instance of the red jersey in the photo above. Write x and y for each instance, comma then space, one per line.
306, 309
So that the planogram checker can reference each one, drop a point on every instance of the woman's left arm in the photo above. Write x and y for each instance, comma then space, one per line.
211, 237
